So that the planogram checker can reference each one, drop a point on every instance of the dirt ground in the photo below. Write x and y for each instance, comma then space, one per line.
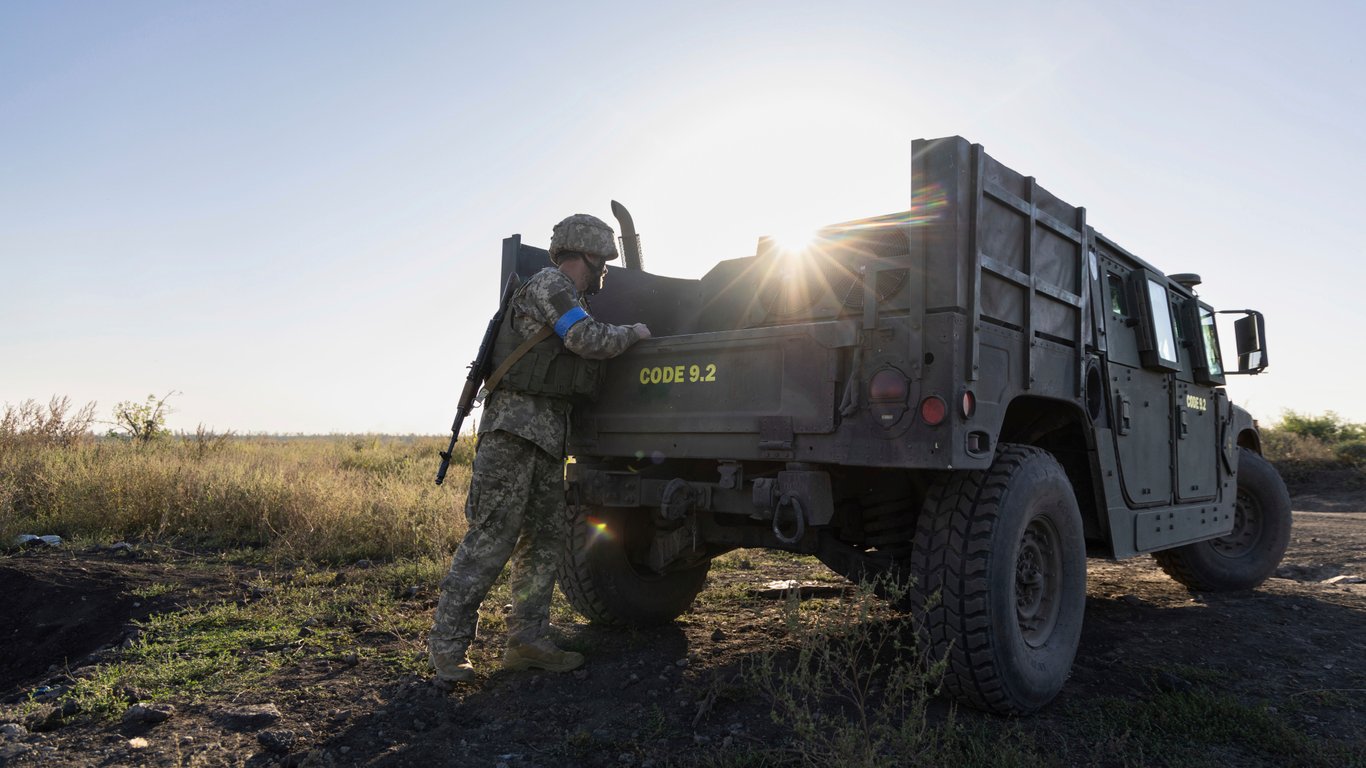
1295, 647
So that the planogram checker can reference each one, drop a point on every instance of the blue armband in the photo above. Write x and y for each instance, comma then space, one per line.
568, 319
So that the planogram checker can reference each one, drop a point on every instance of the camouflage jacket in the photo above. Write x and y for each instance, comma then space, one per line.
549, 298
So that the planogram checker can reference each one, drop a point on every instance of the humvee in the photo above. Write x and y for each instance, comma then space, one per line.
974, 395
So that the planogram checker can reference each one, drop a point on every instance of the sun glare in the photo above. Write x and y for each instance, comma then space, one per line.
793, 241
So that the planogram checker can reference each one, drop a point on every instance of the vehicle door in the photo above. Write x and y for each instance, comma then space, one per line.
1138, 333
1199, 404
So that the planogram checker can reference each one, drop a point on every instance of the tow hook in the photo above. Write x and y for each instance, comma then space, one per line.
789, 520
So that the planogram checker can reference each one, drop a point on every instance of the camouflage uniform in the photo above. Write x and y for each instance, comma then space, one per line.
516, 504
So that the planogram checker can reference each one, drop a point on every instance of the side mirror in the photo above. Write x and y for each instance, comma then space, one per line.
1250, 333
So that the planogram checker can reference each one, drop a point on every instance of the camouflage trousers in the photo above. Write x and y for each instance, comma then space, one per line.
515, 508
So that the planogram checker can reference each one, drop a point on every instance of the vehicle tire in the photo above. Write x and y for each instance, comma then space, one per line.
601, 581
1000, 568
1249, 554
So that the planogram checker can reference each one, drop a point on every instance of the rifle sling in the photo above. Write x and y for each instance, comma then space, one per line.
536, 338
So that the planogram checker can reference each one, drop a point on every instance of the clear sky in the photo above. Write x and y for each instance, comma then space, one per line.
292, 212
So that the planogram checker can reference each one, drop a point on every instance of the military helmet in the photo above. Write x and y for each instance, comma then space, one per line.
582, 233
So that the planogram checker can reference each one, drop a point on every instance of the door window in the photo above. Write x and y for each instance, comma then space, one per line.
1163, 330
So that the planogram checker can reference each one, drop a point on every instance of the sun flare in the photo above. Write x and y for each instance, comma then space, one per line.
793, 241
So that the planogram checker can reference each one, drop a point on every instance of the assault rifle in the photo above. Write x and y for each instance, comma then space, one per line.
479, 370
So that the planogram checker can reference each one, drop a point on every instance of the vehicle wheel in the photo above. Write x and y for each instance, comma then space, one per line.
600, 575
1249, 554
1000, 568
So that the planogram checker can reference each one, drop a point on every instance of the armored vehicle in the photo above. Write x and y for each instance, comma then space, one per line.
976, 394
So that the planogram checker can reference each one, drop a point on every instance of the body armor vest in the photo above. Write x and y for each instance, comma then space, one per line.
548, 369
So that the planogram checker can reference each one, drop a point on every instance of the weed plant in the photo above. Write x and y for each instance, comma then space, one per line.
854, 686
238, 649
331, 499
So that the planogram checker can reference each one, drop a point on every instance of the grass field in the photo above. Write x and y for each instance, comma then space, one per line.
329, 499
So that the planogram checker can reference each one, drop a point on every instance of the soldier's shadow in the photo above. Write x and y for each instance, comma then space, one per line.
516, 717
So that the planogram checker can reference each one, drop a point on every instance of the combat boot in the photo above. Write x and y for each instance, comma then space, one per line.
452, 667
541, 654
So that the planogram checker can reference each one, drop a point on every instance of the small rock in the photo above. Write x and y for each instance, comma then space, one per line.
252, 717
13, 731
305, 632
410, 593
120, 546
148, 713
344, 749
681, 663
717, 636
47, 718
626, 758
701, 740
580, 674
277, 740
363, 564
11, 751
137, 743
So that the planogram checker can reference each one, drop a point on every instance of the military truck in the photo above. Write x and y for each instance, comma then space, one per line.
975, 395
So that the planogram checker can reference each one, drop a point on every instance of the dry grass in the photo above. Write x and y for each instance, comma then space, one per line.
331, 499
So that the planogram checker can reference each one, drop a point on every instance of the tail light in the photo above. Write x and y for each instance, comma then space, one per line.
888, 390
933, 409
887, 386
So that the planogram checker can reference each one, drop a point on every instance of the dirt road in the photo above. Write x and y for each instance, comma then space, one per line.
1164, 676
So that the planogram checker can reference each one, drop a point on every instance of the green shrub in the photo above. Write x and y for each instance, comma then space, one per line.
1351, 452
1328, 428
1282, 445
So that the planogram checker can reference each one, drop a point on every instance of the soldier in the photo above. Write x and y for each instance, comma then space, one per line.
516, 504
